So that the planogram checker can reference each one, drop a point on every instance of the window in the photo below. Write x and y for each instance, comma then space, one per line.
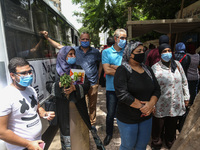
68, 35
39, 16
17, 13
61, 29
52, 24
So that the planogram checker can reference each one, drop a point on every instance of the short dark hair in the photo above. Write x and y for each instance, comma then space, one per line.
110, 41
16, 62
151, 46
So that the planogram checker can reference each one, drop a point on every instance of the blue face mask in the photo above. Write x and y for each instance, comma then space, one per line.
166, 56
122, 43
71, 60
85, 44
25, 80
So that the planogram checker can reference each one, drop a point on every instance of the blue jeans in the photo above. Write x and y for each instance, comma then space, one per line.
135, 136
111, 104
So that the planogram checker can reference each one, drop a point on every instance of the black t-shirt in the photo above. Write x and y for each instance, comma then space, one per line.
129, 86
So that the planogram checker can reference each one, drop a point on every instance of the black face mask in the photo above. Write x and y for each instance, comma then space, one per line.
139, 57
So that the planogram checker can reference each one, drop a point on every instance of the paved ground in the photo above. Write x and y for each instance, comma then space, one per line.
101, 128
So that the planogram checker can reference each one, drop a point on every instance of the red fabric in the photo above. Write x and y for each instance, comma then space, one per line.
153, 57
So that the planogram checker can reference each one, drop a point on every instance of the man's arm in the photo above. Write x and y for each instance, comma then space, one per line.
10, 137
109, 69
52, 42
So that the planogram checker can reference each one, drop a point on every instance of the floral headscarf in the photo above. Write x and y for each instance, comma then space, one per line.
126, 56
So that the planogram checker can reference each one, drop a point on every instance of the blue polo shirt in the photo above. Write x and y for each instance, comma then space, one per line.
89, 61
112, 57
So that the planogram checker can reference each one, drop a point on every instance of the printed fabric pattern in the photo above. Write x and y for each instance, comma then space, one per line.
174, 90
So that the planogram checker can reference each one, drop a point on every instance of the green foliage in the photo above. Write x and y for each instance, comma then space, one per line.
65, 80
103, 15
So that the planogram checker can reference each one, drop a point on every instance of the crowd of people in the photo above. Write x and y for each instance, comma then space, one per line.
148, 91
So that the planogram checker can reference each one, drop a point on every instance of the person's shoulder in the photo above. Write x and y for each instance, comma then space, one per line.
8, 88
177, 63
94, 49
122, 68
30, 89
76, 47
5, 93
156, 65
146, 66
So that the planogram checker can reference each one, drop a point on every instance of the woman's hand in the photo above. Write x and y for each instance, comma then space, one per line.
137, 104
70, 89
186, 102
147, 108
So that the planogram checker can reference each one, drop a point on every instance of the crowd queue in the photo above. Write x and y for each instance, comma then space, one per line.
148, 91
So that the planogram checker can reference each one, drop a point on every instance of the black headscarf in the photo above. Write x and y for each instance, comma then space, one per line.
163, 39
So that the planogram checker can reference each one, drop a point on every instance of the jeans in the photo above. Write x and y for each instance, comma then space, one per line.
193, 89
111, 104
135, 136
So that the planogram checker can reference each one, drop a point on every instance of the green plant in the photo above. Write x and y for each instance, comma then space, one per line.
65, 81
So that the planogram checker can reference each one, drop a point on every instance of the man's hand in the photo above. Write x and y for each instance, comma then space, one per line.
49, 115
44, 33
34, 145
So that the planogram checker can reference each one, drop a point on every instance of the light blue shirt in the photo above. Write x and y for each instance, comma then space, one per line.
112, 57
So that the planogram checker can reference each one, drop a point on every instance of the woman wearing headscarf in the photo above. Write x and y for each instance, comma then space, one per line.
182, 57
174, 97
71, 113
137, 91
193, 72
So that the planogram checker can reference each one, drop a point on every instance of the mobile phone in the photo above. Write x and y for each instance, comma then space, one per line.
42, 145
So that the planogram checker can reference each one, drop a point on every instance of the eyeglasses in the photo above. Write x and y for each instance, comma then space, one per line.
24, 73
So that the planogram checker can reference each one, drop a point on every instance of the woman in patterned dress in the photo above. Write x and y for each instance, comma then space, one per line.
173, 100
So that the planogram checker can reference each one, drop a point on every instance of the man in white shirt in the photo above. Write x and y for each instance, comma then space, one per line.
19, 110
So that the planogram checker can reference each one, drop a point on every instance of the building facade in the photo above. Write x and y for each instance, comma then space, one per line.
56, 3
